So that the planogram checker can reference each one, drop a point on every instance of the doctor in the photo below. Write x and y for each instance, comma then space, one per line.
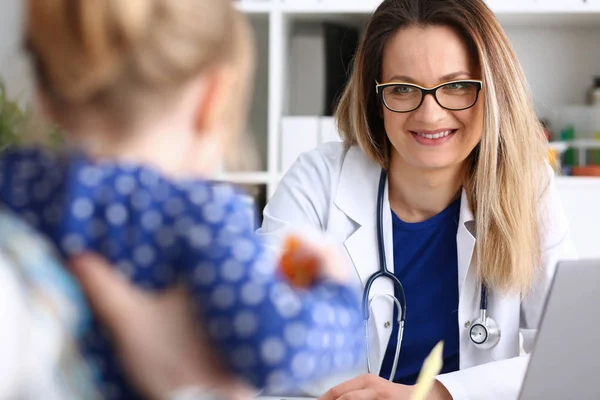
438, 111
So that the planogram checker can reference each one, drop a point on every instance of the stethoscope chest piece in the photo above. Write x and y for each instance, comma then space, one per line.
485, 332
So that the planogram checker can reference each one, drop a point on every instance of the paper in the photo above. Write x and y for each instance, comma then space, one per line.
431, 367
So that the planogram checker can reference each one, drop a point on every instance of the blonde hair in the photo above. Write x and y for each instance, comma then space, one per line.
504, 176
123, 55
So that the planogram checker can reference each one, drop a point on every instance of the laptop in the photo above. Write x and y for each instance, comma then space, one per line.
565, 361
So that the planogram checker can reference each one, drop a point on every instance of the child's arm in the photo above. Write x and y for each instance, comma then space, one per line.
271, 333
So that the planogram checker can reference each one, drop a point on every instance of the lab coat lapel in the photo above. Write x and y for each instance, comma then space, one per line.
465, 241
356, 197
467, 278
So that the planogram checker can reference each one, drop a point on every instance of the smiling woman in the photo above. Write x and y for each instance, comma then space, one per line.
466, 217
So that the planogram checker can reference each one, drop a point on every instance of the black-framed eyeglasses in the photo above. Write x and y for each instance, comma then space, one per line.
403, 97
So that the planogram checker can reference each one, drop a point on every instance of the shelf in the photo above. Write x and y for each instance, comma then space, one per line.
342, 7
258, 178
510, 13
577, 181
254, 7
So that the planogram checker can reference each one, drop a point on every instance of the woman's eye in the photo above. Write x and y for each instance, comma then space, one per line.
456, 86
402, 89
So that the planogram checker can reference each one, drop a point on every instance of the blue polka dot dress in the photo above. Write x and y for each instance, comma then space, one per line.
158, 232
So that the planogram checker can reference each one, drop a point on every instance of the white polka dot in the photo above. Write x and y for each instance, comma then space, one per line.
41, 190
116, 214
243, 250
252, 293
223, 192
205, 274
162, 192
73, 243
322, 314
272, 351
286, 302
125, 184
199, 195
149, 178
219, 328
244, 357
314, 339
141, 200
164, 237
303, 364
340, 340
326, 339
325, 362
278, 382
245, 323
90, 176
82, 208
144, 255
127, 167
183, 225
174, 207
223, 297
213, 213
263, 269
295, 334
232, 270
200, 236
225, 237
344, 318
151, 220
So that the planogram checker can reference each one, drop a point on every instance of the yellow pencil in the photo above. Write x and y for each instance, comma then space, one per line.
431, 367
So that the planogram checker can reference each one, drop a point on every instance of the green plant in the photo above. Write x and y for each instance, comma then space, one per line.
14, 120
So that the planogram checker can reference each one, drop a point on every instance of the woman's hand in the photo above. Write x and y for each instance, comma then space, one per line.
372, 387
161, 347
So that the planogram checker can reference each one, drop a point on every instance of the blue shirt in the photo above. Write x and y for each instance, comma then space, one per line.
157, 232
425, 261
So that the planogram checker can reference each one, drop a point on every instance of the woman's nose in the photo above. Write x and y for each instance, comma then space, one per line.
429, 111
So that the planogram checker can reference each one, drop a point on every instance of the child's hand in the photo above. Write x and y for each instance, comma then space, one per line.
304, 261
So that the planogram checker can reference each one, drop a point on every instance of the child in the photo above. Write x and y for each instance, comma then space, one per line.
151, 92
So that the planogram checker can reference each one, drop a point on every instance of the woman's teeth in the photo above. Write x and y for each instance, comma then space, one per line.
435, 135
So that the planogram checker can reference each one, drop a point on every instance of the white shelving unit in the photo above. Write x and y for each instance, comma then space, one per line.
553, 38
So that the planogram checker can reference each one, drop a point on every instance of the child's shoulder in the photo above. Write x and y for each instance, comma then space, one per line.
216, 202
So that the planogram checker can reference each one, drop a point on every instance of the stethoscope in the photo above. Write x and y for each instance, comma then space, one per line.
484, 331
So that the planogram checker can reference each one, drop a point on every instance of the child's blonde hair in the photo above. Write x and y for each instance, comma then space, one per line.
122, 55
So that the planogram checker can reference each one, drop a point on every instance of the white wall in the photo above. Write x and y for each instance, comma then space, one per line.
581, 201
13, 66
559, 63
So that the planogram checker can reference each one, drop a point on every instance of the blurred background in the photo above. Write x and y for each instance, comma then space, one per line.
304, 48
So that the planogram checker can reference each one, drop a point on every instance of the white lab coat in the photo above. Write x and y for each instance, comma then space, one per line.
335, 191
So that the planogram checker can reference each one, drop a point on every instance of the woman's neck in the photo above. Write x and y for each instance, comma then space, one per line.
418, 194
